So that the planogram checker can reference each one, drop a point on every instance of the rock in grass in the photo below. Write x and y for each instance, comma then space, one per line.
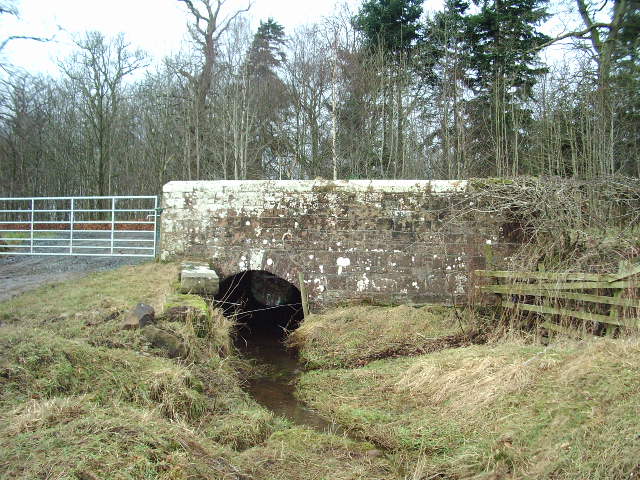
141, 316
198, 278
179, 307
192, 308
168, 342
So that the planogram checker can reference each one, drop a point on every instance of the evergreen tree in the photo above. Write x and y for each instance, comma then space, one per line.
625, 88
266, 53
393, 25
391, 30
443, 35
503, 66
502, 41
442, 63
264, 57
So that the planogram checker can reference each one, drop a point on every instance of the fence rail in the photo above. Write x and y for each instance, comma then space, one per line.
83, 226
558, 295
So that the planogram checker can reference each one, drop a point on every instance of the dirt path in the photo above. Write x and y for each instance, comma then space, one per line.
19, 273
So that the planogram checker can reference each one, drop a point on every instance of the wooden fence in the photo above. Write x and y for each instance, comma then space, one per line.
606, 299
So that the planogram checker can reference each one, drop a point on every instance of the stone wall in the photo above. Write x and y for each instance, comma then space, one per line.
390, 241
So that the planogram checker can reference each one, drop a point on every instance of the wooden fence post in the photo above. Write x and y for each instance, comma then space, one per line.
613, 309
303, 295
549, 288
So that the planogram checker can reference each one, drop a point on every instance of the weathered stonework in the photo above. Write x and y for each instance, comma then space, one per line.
377, 239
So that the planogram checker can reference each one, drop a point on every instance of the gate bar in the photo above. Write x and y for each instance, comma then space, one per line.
32, 205
69, 236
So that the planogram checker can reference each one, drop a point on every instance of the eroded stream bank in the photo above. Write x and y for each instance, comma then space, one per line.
274, 385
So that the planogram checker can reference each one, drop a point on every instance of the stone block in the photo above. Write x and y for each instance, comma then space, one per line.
198, 278
141, 316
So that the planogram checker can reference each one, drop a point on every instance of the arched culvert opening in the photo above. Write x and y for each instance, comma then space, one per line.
263, 303
266, 307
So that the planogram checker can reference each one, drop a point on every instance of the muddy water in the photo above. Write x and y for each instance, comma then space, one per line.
275, 388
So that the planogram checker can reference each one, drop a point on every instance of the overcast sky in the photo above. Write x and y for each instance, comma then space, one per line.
156, 26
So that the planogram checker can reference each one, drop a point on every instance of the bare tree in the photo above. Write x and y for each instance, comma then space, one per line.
308, 79
9, 7
97, 70
206, 28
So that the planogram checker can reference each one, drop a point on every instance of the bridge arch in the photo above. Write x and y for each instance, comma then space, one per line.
261, 301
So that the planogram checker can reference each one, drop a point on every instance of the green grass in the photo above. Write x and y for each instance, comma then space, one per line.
302, 453
73, 438
74, 308
186, 300
354, 336
522, 411
80, 398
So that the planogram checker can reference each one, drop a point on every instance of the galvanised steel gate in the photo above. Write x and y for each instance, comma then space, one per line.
88, 226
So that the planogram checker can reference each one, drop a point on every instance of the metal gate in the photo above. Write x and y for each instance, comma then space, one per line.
88, 226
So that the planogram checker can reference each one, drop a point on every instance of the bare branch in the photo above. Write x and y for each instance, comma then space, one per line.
185, 74
577, 34
10, 11
595, 35
193, 10
9, 8
228, 21
7, 40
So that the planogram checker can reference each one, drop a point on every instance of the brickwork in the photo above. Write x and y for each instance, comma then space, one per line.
391, 241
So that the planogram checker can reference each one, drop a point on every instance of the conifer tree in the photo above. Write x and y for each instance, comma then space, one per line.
391, 30
502, 44
267, 50
264, 57
393, 25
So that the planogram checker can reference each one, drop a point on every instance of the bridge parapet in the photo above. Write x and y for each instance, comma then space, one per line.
376, 239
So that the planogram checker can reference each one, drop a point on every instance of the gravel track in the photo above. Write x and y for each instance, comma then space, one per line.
21, 273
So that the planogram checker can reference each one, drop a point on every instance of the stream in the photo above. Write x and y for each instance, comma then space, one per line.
275, 387
265, 306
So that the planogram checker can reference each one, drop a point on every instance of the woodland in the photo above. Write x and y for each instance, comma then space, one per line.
389, 90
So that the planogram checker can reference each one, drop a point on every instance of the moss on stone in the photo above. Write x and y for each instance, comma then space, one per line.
186, 300
488, 184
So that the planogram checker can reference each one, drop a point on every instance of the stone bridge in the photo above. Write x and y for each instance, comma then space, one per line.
381, 240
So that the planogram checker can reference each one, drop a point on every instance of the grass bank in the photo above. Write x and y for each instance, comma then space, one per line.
354, 336
506, 409
81, 398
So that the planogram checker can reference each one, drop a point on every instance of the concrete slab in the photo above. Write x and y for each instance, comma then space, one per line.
198, 278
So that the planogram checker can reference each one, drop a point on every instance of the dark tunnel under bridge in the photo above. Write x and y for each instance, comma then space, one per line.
261, 302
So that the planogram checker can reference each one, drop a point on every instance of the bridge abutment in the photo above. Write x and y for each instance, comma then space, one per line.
382, 240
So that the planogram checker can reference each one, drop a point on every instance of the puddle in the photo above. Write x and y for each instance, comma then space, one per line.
275, 388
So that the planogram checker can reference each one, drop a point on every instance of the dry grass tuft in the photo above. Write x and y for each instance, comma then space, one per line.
177, 394
475, 378
220, 331
504, 410
73, 438
300, 453
355, 336
36, 414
